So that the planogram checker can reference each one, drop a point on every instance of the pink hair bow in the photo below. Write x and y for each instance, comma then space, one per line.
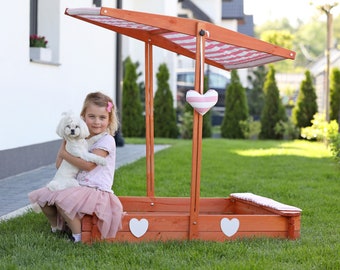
109, 106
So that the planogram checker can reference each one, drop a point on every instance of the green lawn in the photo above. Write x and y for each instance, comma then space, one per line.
299, 173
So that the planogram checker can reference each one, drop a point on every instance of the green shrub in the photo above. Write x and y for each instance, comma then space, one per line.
236, 109
334, 139
288, 129
323, 131
255, 95
250, 128
187, 124
132, 111
273, 111
306, 105
318, 130
165, 114
334, 110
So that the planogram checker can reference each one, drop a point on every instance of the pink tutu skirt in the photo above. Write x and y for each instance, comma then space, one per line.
82, 200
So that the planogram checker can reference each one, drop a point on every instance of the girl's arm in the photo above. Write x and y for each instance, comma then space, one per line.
59, 159
78, 162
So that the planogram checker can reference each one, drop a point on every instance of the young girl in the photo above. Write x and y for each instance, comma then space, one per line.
94, 195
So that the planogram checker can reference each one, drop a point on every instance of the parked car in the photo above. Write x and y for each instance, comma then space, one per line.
218, 82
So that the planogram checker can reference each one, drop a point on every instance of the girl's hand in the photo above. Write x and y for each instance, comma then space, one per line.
61, 154
78, 162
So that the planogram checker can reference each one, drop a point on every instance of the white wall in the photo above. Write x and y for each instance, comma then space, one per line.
135, 48
34, 95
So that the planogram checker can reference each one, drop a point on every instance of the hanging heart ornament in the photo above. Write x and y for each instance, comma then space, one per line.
202, 103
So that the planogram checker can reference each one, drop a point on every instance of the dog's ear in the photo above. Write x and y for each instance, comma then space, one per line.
61, 126
84, 130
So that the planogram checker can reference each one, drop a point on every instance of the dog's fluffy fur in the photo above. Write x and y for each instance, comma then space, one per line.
74, 130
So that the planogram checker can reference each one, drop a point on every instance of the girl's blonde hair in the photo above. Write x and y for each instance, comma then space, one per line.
102, 100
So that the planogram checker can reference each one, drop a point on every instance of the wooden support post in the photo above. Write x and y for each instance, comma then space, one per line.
149, 136
197, 135
293, 227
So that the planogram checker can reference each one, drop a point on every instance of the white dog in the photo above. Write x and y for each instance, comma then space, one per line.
74, 130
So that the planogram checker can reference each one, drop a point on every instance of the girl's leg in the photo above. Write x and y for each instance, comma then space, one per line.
50, 212
73, 224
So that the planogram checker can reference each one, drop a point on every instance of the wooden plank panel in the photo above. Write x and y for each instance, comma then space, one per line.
152, 204
246, 208
175, 204
220, 237
150, 236
205, 233
216, 205
177, 222
183, 236
248, 223
159, 222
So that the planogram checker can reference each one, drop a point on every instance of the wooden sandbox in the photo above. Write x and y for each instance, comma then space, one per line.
220, 219
151, 218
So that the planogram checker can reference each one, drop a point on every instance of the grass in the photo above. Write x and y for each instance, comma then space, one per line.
298, 173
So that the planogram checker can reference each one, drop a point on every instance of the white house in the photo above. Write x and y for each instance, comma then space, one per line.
34, 93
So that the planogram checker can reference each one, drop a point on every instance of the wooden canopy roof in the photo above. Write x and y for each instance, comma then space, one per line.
224, 48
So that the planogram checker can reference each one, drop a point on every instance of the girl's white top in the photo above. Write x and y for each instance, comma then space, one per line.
101, 177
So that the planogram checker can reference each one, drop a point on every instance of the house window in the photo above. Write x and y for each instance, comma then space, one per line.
33, 17
45, 21
97, 3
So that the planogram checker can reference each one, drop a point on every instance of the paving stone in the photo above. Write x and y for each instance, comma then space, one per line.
14, 189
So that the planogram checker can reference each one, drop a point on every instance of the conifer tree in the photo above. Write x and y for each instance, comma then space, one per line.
164, 111
255, 95
273, 112
334, 112
306, 105
207, 128
132, 112
236, 109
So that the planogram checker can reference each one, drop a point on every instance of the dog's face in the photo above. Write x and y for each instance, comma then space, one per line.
72, 127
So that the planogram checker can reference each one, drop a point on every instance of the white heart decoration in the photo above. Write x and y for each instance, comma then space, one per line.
138, 227
202, 103
230, 227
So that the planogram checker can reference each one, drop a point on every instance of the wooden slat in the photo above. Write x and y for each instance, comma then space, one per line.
159, 222
175, 204
149, 130
251, 223
197, 135
220, 237
150, 236
157, 204
247, 208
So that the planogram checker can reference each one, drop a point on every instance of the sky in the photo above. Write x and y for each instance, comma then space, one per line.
266, 10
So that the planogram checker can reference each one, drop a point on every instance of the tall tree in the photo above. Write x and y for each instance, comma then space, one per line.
273, 111
236, 108
306, 105
132, 112
281, 38
255, 95
334, 113
165, 114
